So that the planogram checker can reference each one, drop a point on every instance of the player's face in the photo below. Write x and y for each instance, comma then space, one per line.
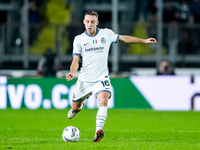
91, 23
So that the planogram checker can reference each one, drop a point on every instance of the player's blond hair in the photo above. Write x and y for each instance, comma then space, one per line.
92, 13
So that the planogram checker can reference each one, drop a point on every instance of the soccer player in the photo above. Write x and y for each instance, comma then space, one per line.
92, 46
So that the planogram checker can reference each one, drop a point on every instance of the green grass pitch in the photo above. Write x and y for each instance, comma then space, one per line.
125, 129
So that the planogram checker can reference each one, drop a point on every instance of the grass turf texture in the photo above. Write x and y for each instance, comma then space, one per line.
124, 129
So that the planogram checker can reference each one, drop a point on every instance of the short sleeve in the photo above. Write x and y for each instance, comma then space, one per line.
76, 47
113, 36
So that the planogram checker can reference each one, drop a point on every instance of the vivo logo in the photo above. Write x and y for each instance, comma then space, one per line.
32, 96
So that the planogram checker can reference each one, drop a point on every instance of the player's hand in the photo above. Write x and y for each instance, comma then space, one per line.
69, 76
150, 40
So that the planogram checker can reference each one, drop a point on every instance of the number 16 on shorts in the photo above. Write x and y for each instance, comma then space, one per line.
105, 83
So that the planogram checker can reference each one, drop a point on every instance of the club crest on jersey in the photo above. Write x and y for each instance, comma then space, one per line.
103, 40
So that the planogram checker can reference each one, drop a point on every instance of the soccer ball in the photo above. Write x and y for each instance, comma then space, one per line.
71, 134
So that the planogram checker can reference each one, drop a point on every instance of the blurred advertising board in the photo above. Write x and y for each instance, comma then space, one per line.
150, 92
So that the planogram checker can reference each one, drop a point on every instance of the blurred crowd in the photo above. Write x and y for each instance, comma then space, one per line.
181, 31
180, 23
181, 11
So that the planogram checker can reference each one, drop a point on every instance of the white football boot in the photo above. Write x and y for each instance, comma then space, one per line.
72, 114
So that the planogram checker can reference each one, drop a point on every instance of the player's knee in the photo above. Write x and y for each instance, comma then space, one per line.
103, 98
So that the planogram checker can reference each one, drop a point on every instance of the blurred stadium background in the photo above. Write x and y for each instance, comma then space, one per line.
29, 27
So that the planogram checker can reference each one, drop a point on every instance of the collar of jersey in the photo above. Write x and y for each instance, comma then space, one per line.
91, 35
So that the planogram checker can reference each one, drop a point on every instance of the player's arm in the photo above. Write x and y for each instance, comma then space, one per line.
132, 39
73, 68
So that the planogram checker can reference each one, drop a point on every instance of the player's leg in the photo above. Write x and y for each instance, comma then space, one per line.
76, 107
82, 91
101, 114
